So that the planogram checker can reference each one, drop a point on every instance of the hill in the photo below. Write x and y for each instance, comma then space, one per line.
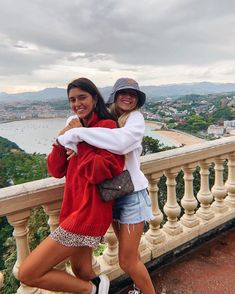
7, 146
154, 92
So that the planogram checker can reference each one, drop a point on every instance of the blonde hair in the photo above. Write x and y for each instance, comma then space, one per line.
121, 118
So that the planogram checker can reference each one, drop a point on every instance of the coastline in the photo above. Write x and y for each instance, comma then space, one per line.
177, 137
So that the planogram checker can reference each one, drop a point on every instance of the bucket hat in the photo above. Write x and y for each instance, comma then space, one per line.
127, 83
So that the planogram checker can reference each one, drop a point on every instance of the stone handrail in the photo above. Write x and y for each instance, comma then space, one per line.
196, 215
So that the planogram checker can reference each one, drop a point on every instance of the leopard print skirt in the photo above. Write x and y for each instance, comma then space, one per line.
74, 240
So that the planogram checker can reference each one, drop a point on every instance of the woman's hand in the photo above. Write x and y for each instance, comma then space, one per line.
70, 153
74, 123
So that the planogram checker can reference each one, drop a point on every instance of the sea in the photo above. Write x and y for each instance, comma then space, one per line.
38, 135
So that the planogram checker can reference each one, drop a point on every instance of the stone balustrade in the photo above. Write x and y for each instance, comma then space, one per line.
177, 223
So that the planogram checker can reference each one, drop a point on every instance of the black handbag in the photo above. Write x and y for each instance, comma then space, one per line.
116, 187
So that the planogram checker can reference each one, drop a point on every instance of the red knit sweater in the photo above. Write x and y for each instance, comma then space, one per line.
83, 212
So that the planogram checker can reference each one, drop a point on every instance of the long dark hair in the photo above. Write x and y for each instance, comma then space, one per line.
88, 86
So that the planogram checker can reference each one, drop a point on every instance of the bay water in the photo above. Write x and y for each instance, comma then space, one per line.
38, 135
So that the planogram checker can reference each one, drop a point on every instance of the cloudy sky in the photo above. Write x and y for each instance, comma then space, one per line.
47, 43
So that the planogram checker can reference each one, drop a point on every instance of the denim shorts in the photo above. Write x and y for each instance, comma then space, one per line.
133, 208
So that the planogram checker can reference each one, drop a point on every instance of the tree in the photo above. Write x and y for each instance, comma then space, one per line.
223, 113
151, 145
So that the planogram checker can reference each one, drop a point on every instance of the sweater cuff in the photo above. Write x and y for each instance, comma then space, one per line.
59, 148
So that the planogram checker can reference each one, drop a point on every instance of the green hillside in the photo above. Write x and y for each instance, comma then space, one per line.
17, 167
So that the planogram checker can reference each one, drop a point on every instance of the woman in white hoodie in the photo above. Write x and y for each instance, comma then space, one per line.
129, 212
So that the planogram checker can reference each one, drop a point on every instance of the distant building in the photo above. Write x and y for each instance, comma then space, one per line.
215, 130
201, 109
232, 102
229, 123
203, 102
224, 101
180, 114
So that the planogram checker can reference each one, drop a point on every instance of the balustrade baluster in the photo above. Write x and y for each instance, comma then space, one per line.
189, 202
19, 221
172, 208
53, 212
144, 250
110, 255
204, 195
154, 235
230, 184
218, 190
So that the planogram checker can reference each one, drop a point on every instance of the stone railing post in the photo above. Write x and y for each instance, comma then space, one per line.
189, 202
230, 183
154, 235
172, 208
19, 221
204, 195
53, 212
218, 190
110, 255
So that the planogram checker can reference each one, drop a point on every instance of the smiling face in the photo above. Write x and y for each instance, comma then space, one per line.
82, 103
126, 100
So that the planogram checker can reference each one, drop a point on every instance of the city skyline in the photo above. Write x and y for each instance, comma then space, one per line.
48, 43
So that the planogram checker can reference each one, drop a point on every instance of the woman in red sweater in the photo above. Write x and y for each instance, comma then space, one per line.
84, 217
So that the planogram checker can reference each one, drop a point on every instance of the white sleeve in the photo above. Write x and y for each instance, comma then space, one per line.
119, 141
71, 145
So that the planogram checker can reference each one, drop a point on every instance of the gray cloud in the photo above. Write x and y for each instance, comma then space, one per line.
39, 33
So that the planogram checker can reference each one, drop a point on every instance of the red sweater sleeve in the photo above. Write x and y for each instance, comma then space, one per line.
99, 164
57, 162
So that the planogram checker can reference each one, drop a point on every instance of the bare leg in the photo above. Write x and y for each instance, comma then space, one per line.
81, 263
37, 269
129, 259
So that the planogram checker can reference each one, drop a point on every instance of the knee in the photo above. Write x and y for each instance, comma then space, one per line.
124, 265
28, 275
127, 265
24, 275
82, 273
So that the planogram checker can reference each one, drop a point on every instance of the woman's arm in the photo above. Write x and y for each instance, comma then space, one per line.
119, 140
57, 162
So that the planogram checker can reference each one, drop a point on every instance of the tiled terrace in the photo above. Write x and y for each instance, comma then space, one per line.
192, 218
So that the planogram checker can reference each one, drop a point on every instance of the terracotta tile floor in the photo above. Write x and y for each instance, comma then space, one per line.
210, 269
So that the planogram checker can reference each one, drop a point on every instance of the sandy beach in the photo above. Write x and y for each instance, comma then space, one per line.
179, 138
